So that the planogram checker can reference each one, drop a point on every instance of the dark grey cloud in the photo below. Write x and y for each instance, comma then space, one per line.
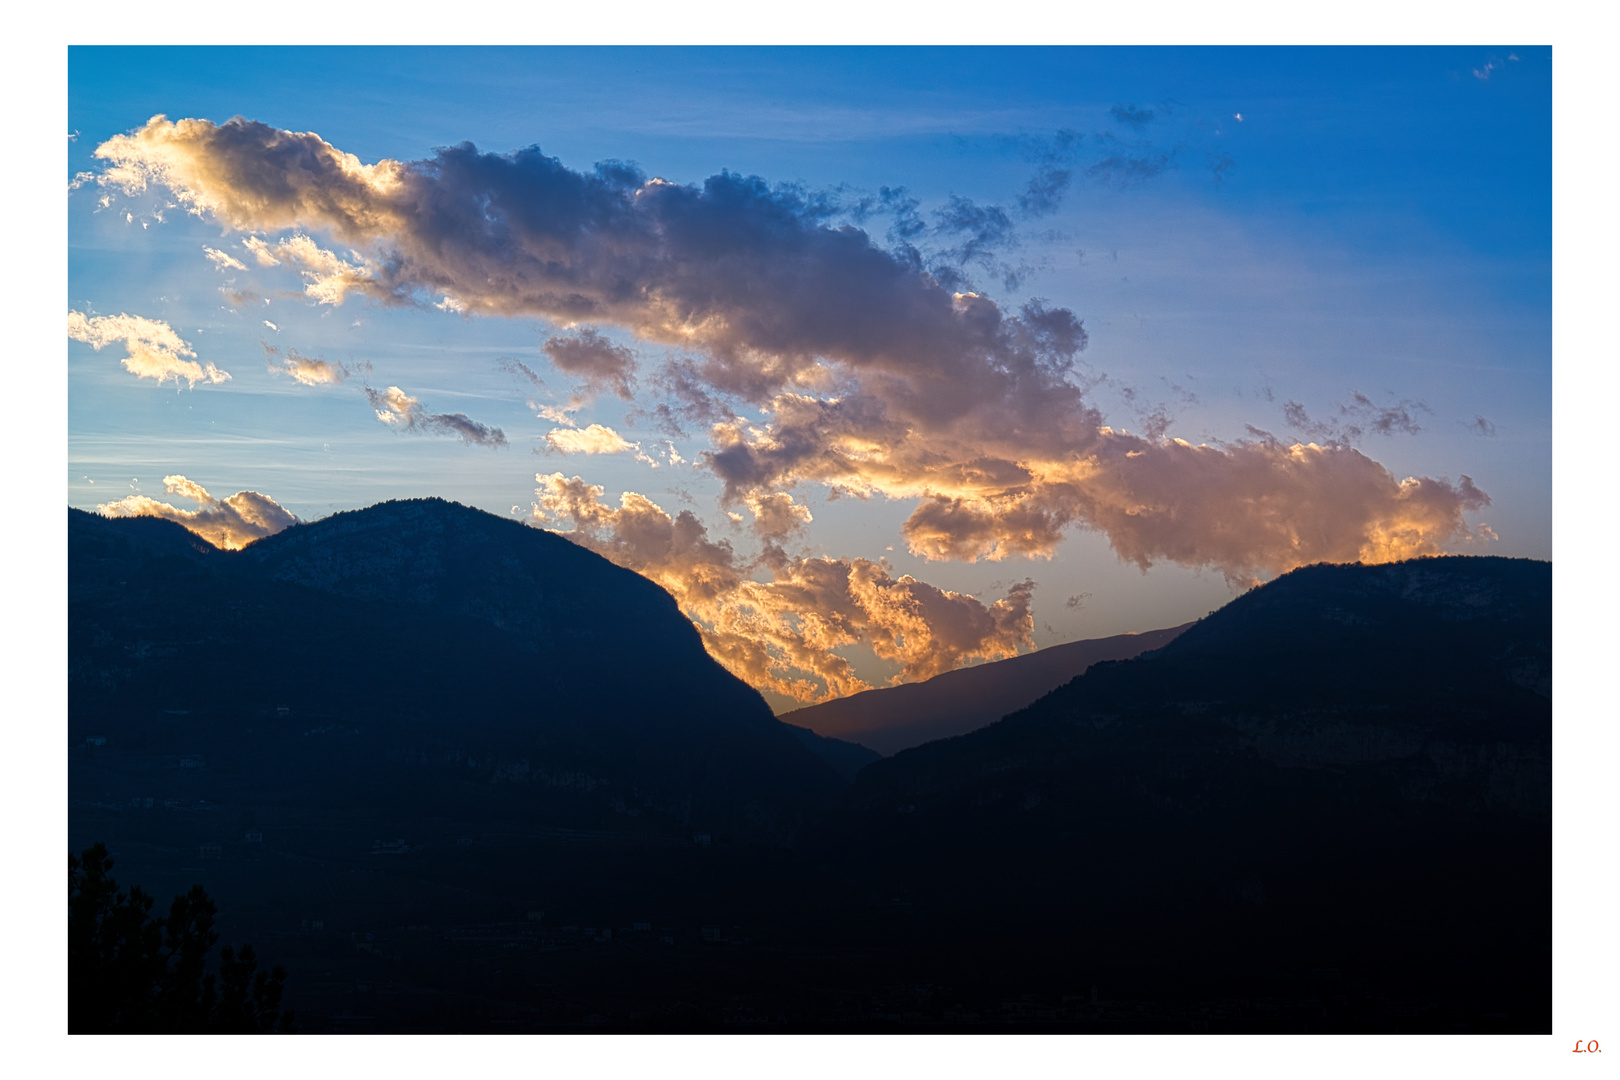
398, 409
588, 355
687, 402
1482, 426
518, 367
1361, 417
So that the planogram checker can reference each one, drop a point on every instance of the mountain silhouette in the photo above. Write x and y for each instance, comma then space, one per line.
895, 718
421, 651
458, 774
1347, 770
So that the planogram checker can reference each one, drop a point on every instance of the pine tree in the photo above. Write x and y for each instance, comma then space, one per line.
129, 972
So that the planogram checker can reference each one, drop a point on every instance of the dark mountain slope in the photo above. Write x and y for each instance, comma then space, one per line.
1346, 770
846, 757
422, 658
896, 718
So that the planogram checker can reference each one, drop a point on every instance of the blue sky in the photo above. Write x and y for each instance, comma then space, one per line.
1377, 223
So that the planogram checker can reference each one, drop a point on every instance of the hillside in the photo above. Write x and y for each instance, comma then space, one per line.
1347, 770
412, 658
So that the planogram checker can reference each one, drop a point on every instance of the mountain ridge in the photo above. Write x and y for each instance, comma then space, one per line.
894, 718
430, 618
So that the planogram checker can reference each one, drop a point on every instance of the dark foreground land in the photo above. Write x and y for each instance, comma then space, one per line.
430, 790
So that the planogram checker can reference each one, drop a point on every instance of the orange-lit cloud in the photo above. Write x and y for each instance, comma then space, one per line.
781, 635
595, 439
868, 369
232, 522
155, 350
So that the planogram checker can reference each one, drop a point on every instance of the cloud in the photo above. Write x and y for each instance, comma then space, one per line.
1134, 117
595, 439
231, 523
777, 517
1127, 170
260, 251
155, 350
867, 369
1360, 417
242, 297
222, 260
328, 278
518, 367
1249, 509
307, 370
1044, 192
1482, 426
781, 635
398, 409
588, 355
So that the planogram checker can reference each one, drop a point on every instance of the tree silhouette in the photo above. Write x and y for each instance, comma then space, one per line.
128, 972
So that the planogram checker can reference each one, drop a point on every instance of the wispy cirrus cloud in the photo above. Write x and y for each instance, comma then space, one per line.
231, 523
155, 351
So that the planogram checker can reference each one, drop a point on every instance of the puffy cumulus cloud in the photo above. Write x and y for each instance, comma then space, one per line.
212, 170
749, 273
781, 635
777, 517
595, 439
601, 363
870, 369
155, 350
398, 409
232, 522
308, 370
1250, 509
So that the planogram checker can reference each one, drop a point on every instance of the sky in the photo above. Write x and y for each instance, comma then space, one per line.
882, 361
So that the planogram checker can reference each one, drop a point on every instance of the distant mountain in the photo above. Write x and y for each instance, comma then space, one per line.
1338, 784
413, 659
846, 758
895, 718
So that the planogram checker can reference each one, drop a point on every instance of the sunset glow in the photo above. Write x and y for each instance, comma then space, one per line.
891, 398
